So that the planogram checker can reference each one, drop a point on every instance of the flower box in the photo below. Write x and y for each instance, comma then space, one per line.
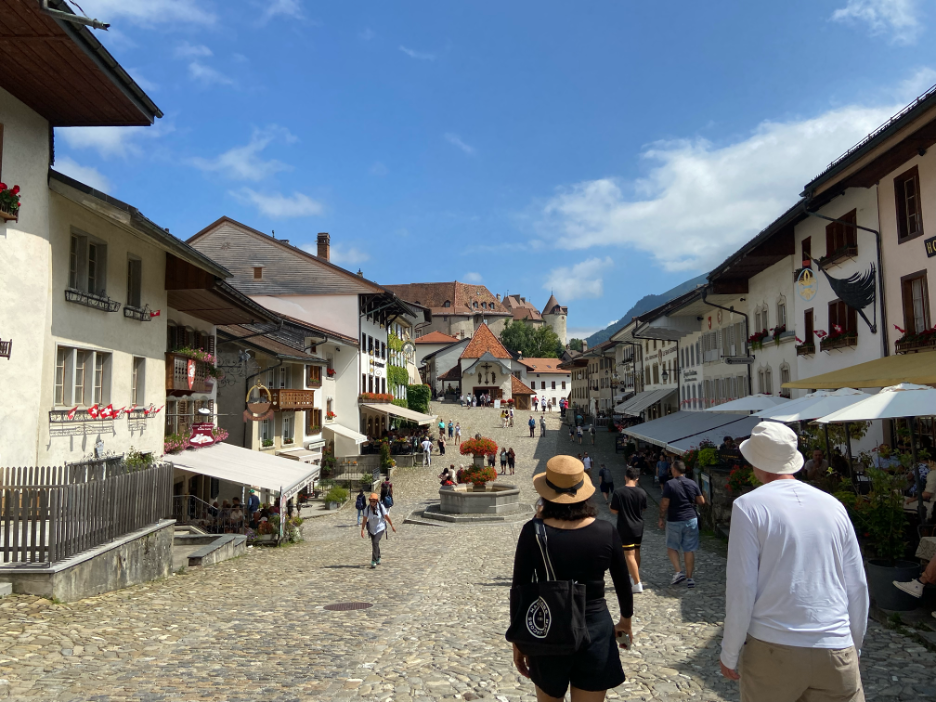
9, 203
839, 341
372, 397
805, 349
330, 372
838, 256
910, 343
7, 216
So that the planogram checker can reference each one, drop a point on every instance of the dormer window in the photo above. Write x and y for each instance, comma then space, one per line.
475, 305
447, 304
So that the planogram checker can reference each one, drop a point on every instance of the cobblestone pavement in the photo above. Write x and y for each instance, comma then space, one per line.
253, 628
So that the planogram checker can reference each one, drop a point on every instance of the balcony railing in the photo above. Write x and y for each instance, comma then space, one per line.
180, 381
913, 345
842, 254
839, 342
97, 302
805, 349
284, 399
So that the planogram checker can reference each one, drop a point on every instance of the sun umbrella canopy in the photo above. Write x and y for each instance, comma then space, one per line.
751, 403
879, 373
903, 400
814, 405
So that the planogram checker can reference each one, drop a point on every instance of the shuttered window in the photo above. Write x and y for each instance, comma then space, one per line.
914, 294
909, 214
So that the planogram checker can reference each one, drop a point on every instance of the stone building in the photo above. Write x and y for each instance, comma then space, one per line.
458, 309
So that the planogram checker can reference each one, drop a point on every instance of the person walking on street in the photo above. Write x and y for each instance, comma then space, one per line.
503, 461
662, 470
593, 433
441, 427
376, 518
442, 443
606, 483
386, 494
457, 432
629, 503
511, 460
677, 509
451, 428
571, 433
587, 462
427, 451
542, 426
532, 425
580, 435
511, 416
796, 600
359, 504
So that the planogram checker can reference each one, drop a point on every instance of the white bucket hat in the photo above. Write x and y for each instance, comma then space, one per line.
773, 448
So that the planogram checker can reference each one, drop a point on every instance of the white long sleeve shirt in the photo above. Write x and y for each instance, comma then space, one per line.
795, 575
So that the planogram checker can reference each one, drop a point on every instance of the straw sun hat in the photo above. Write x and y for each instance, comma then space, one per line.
564, 481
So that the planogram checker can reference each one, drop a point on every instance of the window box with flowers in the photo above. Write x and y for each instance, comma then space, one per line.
330, 372
839, 340
376, 397
779, 333
330, 416
910, 343
805, 349
756, 340
9, 203
266, 443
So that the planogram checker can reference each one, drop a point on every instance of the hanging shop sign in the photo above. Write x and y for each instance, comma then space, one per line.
202, 434
806, 284
258, 408
930, 245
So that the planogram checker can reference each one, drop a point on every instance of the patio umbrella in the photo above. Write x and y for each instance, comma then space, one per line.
751, 403
814, 405
905, 400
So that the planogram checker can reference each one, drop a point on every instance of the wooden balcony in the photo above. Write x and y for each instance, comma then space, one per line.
177, 376
839, 342
284, 399
805, 349
914, 345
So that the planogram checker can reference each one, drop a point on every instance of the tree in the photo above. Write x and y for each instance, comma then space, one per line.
576, 344
532, 342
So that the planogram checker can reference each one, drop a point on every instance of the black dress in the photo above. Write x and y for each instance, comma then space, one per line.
582, 555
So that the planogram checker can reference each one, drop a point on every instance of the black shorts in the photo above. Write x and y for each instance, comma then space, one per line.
597, 666
607, 487
634, 544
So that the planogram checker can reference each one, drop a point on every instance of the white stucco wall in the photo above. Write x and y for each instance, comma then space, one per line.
338, 313
767, 290
25, 281
529, 377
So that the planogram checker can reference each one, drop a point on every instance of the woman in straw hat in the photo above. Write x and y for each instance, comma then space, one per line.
581, 548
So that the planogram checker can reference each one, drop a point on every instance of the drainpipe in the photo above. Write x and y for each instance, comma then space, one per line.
747, 327
880, 271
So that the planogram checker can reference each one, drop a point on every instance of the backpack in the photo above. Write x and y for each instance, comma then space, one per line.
361, 503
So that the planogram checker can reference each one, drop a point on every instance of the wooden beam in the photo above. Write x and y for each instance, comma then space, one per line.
181, 275
730, 286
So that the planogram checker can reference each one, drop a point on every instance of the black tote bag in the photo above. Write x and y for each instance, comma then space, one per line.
547, 618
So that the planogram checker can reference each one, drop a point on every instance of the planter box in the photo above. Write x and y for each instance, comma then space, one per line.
839, 343
332, 506
913, 346
8, 216
806, 350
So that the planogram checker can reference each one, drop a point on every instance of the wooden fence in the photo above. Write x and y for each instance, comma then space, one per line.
53, 514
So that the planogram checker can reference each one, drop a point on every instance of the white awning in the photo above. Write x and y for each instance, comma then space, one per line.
634, 408
679, 425
240, 465
403, 413
301, 454
631, 400
355, 436
738, 429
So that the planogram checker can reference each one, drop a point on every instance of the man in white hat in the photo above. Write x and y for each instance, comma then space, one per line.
796, 599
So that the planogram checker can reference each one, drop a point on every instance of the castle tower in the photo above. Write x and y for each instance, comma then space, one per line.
555, 315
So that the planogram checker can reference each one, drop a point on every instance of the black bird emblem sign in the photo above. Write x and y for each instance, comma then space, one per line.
857, 291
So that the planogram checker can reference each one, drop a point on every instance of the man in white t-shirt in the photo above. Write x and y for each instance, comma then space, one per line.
796, 600
376, 518
587, 462
427, 451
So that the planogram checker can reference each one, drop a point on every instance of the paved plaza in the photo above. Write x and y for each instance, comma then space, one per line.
254, 628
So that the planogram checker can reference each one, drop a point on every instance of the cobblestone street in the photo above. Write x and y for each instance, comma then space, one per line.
254, 628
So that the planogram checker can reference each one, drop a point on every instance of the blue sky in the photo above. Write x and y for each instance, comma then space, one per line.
603, 150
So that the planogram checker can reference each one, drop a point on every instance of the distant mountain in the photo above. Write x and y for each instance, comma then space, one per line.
644, 304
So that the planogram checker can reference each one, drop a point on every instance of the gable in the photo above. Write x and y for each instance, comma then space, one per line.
484, 342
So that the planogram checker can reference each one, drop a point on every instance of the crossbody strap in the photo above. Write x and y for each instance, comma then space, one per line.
544, 551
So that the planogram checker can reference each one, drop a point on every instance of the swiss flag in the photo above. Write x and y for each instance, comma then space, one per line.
155, 313
159, 410
798, 340
821, 333
93, 411
899, 329
837, 328
120, 412
71, 412
107, 412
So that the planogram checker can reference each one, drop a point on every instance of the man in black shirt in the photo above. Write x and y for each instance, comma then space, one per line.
678, 511
628, 503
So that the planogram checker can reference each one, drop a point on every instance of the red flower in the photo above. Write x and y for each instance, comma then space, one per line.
15, 190
2, 186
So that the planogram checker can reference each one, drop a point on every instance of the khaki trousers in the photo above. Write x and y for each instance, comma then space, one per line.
776, 673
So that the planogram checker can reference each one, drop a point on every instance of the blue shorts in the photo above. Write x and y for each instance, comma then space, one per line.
683, 536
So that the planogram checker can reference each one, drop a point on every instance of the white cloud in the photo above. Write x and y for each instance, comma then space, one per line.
278, 206
456, 140
700, 201
897, 18
186, 50
150, 12
282, 8
418, 55
208, 75
583, 332
922, 80
378, 169
342, 254
579, 281
472, 277
367, 34
84, 174
245, 162
147, 85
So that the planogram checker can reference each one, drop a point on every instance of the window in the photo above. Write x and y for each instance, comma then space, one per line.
808, 327
807, 249
314, 420
82, 377
138, 381
314, 376
134, 282
87, 268
784, 378
266, 430
289, 421
768, 381
258, 273
283, 378
909, 215
475, 305
781, 312
656, 373
914, 293
563, 385
843, 316
554, 385
842, 235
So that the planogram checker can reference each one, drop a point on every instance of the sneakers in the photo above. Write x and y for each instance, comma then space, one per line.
378, 561
914, 587
373, 564
631, 579
678, 578
637, 588
690, 583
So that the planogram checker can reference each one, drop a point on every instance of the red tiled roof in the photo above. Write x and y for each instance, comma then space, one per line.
453, 373
553, 306
544, 365
461, 297
483, 342
435, 337
522, 309
517, 387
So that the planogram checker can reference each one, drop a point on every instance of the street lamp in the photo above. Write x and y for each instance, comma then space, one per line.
665, 376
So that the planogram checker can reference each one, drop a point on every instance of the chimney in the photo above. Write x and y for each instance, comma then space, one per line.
584, 346
324, 245
498, 297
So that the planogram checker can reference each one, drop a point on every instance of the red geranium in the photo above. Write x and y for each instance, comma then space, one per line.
478, 447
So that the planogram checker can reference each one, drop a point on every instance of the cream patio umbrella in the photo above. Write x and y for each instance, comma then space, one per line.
905, 400
751, 403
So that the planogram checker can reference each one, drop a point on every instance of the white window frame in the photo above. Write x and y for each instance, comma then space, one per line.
82, 377
138, 381
289, 426
87, 269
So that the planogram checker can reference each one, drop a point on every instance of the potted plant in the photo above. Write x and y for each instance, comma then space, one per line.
879, 520
330, 372
479, 447
9, 202
741, 480
386, 462
778, 332
287, 442
267, 443
336, 497
479, 476
330, 416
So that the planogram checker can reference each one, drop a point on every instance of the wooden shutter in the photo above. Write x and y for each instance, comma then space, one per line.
808, 327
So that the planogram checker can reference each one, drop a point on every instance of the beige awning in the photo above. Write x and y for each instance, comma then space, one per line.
403, 413
300, 454
919, 368
355, 436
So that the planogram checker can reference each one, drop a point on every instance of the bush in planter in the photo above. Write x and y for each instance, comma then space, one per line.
478, 447
386, 462
740, 478
267, 443
337, 494
479, 475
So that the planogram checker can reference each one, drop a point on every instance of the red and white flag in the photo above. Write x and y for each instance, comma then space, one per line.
821, 333
107, 412
93, 411
155, 313
72, 412
902, 331
159, 410
837, 328
798, 340
120, 412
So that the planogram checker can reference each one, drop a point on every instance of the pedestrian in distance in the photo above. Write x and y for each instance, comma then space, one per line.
678, 512
457, 432
587, 462
386, 494
580, 548
441, 427
451, 429
532, 424
571, 433
376, 518
629, 503
796, 599
359, 504
542, 426
503, 461
511, 460
593, 433
427, 451
511, 417
662, 470
579, 434
606, 483
442, 443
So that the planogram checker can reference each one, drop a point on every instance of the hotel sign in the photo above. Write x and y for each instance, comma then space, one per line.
930, 246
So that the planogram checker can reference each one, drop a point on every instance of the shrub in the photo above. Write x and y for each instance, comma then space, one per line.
418, 396
478, 475
478, 447
337, 494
